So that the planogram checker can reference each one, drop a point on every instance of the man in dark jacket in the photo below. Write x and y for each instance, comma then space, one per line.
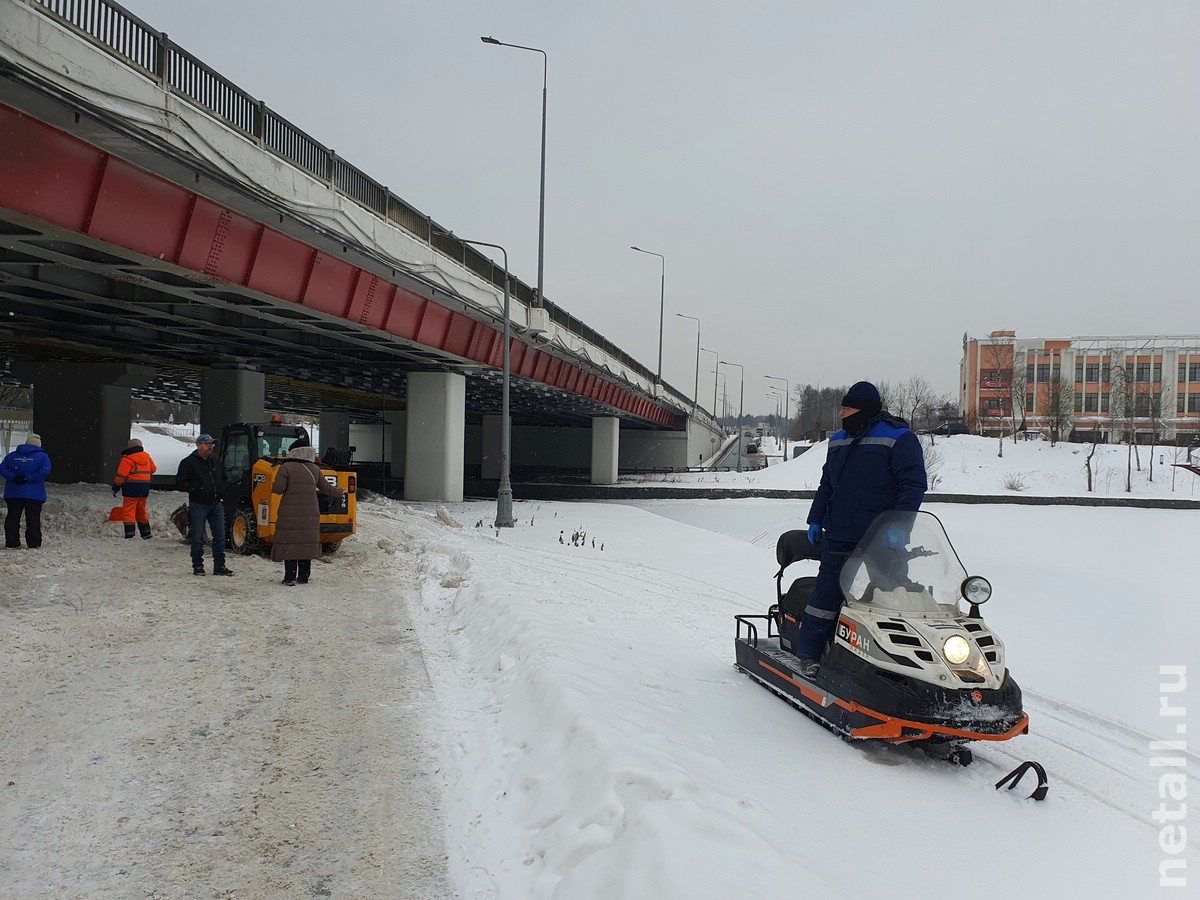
875, 464
201, 477
24, 472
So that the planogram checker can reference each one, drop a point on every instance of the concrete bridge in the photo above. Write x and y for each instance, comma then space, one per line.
166, 235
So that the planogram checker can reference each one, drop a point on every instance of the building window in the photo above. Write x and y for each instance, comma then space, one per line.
1029, 376
1104, 403
1182, 374
1029, 403
1141, 405
1093, 373
1078, 373
1043, 372
1105, 374
1158, 373
1141, 372
1089, 403
1056, 372
1179, 399
1193, 403
1193, 372
1079, 403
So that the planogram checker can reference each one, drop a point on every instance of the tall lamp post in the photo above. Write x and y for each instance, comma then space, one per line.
776, 394
542, 192
696, 389
741, 404
662, 297
715, 370
504, 497
787, 395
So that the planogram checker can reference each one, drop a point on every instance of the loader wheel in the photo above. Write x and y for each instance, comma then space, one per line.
331, 547
243, 532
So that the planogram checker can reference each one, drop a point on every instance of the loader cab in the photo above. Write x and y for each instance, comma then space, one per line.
244, 444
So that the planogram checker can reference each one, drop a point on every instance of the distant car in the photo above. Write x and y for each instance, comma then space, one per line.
949, 428
751, 448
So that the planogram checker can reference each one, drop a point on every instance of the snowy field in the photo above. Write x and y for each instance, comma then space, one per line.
965, 464
569, 710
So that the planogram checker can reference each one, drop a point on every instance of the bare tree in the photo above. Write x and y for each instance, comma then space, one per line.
1060, 407
1019, 391
996, 378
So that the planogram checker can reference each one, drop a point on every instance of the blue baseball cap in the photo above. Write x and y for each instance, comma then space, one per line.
205, 439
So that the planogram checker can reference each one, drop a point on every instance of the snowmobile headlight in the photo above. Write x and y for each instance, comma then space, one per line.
956, 650
976, 589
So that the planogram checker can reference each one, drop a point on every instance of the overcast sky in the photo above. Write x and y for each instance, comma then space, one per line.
841, 189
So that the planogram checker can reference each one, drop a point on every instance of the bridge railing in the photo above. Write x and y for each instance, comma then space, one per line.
110, 25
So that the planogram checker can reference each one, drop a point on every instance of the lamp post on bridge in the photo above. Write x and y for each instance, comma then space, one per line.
504, 497
542, 190
662, 299
787, 396
741, 405
696, 388
715, 375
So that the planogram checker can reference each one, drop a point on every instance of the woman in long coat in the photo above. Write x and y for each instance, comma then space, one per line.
298, 526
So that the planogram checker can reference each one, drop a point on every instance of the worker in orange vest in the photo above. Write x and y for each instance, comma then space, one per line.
133, 483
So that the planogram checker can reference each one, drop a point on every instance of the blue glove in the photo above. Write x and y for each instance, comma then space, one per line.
814, 533
895, 538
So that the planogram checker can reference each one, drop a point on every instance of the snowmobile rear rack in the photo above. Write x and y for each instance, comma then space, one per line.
1043, 785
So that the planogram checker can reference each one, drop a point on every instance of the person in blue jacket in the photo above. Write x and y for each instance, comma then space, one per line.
24, 472
875, 464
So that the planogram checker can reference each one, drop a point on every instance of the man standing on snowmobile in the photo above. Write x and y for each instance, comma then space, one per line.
875, 464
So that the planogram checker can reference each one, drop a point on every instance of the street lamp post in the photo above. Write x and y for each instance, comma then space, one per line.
715, 368
787, 396
741, 405
776, 394
542, 191
662, 298
696, 389
504, 497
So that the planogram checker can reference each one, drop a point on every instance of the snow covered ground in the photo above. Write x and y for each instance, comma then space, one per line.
965, 464
562, 696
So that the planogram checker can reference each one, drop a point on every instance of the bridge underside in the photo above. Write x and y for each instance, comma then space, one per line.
66, 297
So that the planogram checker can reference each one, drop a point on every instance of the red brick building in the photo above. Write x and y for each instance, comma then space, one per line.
1078, 387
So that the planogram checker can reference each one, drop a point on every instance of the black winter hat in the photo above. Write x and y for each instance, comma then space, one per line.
864, 396
301, 441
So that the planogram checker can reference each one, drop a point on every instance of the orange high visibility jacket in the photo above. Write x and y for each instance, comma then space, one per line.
133, 473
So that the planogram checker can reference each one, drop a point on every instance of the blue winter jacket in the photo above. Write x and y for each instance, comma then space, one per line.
881, 469
31, 461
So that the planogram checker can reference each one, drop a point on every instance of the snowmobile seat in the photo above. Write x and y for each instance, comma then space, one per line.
791, 547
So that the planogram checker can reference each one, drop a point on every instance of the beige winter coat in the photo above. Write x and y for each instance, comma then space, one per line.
298, 528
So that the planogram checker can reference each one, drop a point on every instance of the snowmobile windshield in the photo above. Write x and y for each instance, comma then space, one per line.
905, 564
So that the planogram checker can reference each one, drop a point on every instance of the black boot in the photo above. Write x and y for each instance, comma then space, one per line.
130, 531
144, 528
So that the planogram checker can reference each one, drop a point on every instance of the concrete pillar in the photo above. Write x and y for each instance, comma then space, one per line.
606, 442
334, 425
436, 440
490, 465
231, 394
81, 410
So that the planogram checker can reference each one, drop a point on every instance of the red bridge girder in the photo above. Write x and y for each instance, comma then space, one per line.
60, 179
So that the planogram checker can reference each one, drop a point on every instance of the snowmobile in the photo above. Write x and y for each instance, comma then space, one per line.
905, 663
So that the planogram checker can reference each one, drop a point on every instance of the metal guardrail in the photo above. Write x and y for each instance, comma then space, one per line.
132, 40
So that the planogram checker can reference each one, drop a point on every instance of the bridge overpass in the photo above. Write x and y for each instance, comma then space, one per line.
166, 235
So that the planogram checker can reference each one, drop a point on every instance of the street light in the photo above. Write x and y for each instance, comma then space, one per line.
787, 387
776, 394
696, 389
718, 357
542, 192
662, 299
741, 405
504, 497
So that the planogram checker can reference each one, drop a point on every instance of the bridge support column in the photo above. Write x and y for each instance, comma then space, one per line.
231, 394
81, 410
435, 442
335, 429
606, 442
